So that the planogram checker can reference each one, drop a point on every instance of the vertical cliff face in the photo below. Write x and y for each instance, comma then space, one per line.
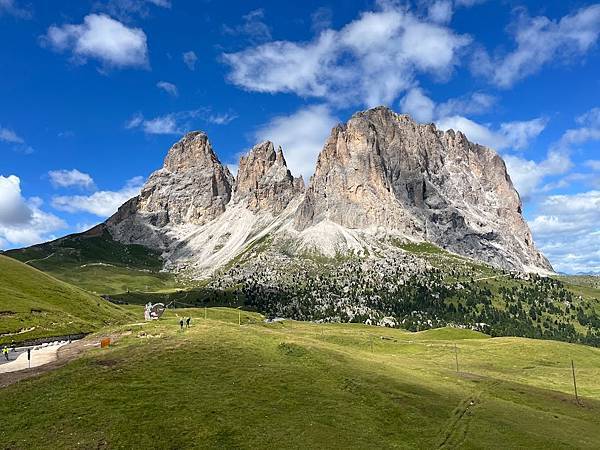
264, 181
382, 171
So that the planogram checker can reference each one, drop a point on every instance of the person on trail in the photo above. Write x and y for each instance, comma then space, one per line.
5, 352
181, 323
187, 322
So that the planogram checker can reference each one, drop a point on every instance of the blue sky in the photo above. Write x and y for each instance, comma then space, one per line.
93, 93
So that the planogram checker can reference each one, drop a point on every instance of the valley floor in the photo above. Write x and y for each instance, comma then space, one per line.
304, 385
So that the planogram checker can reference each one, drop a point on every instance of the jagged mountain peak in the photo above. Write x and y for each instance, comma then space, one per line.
192, 151
264, 180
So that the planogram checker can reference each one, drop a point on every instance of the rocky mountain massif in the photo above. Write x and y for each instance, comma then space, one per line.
402, 225
380, 179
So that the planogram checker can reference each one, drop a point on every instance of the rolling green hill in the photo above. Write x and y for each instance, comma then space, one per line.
34, 304
305, 385
94, 261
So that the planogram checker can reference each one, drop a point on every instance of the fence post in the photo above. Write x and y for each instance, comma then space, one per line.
574, 382
456, 357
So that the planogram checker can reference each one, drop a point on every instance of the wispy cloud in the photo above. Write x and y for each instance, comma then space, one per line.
128, 10
541, 41
18, 144
8, 135
12, 8
178, 122
169, 88
252, 27
190, 58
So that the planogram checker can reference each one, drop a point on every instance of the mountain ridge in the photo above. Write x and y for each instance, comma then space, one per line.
381, 175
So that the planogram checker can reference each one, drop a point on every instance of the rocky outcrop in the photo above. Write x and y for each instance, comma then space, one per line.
385, 173
264, 181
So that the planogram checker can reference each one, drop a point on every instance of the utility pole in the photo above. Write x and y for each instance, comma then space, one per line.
205, 312
239, 317
574, 382
371, 341
456, 357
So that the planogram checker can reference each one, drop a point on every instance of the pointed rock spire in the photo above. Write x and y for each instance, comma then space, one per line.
264, 180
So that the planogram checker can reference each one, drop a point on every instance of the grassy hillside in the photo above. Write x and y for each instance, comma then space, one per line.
94, 261
34, 304
303, 385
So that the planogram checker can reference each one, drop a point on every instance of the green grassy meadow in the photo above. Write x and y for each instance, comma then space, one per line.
304, 385
34, 304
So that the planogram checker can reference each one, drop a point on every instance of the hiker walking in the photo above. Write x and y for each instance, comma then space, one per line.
187, 322
5, 352
181, 323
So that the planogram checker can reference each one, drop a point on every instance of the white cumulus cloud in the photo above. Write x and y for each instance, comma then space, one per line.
13, 207
528, 175
441, 11
102, 38
22, 222
369, 61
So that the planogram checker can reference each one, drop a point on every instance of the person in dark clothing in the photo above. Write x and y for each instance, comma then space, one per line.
181, 323
187, 322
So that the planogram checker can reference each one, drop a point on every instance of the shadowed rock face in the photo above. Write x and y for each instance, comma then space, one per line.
263, 180
382, 170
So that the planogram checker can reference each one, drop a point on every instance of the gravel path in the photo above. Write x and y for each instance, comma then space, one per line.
40, 355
